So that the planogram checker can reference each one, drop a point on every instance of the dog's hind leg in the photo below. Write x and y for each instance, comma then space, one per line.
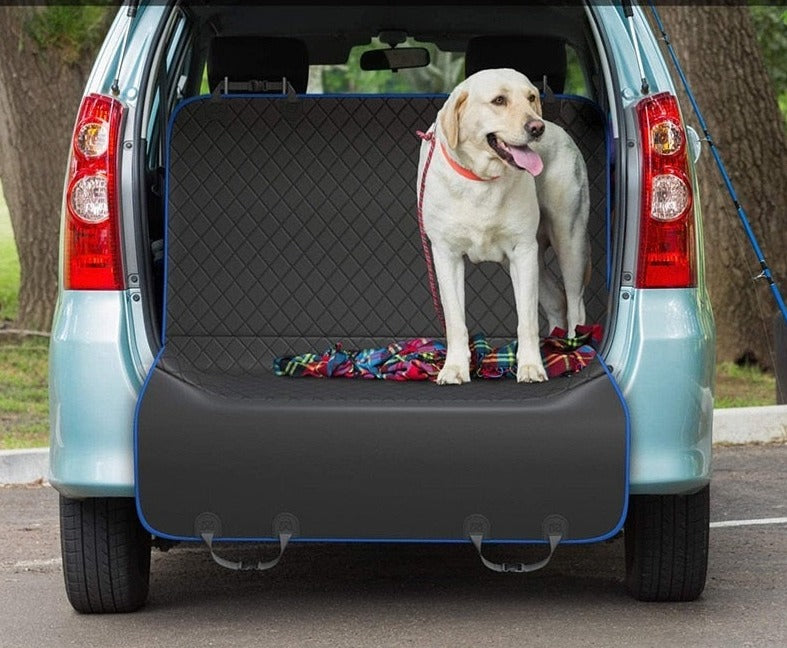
523, 266
450, 271
573, 256
567, 219
565, 206
550, 295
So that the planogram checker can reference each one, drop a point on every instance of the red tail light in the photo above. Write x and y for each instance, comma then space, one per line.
667, 256
92, 253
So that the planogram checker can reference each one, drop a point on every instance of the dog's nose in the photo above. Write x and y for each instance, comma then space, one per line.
535, 127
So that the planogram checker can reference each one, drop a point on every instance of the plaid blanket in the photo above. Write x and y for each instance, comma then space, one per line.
422, 358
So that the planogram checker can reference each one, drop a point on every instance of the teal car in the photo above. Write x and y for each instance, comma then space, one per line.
241, 190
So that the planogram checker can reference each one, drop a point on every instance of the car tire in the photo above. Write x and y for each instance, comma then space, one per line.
106, 555
666, 538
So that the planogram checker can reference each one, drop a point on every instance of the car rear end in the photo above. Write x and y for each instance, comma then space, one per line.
100, 346
110, 323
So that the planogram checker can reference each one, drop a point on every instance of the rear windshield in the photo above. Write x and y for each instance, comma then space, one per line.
445, 70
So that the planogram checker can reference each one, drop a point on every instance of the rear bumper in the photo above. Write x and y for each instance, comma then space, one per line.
93, 387
662, 356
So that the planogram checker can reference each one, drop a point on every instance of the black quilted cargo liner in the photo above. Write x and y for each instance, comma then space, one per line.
291, 226
287, 236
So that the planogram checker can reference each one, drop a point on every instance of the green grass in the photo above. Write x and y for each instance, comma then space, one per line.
9, 267
24, 408
744, 386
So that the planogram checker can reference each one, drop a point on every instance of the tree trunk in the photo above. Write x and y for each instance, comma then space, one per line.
723, 62
39, 97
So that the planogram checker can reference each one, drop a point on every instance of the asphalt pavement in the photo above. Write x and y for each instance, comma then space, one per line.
416, 595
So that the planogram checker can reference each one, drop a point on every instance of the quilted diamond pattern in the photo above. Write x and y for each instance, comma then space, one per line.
293, 227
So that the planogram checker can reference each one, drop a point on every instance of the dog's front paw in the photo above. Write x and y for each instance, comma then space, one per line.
529, 373
453, 375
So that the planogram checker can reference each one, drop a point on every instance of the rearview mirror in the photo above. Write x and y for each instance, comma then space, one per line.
395, 58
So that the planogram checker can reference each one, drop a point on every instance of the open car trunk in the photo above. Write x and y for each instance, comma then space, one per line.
291, 226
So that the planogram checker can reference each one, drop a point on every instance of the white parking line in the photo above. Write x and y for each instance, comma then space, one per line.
38, 564
737, 523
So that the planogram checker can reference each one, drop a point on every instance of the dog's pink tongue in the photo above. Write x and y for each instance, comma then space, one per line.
527, 159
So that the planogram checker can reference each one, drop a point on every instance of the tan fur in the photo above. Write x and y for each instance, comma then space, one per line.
450, 116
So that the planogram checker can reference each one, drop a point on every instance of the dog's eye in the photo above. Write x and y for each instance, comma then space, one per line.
499, 100
532, 98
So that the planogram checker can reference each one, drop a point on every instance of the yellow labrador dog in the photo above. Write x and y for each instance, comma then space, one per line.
503, 185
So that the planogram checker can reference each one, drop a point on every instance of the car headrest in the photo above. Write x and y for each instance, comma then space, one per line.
258, 58
533, 56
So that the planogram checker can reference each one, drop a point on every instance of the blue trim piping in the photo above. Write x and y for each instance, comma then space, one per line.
142, 391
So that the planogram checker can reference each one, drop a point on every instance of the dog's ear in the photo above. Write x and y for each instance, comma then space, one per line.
449, 117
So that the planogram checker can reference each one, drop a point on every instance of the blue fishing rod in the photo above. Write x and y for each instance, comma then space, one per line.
766, 271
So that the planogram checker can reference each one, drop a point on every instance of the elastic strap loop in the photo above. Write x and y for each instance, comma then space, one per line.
555, 528
515, 568
284, 538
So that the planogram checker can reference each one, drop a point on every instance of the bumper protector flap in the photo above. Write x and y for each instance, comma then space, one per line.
265, 257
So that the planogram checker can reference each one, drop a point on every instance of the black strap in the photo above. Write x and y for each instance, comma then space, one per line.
208, 525
255, 87
284, 538
515, 568
555, 528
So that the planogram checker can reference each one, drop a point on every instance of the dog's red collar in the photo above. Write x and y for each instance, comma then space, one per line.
462, 171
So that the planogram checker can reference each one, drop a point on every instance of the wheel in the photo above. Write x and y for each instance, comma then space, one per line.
666, 539
106, 554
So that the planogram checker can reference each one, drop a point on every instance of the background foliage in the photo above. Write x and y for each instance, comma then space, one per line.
770, 23
68, 31
444, 72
